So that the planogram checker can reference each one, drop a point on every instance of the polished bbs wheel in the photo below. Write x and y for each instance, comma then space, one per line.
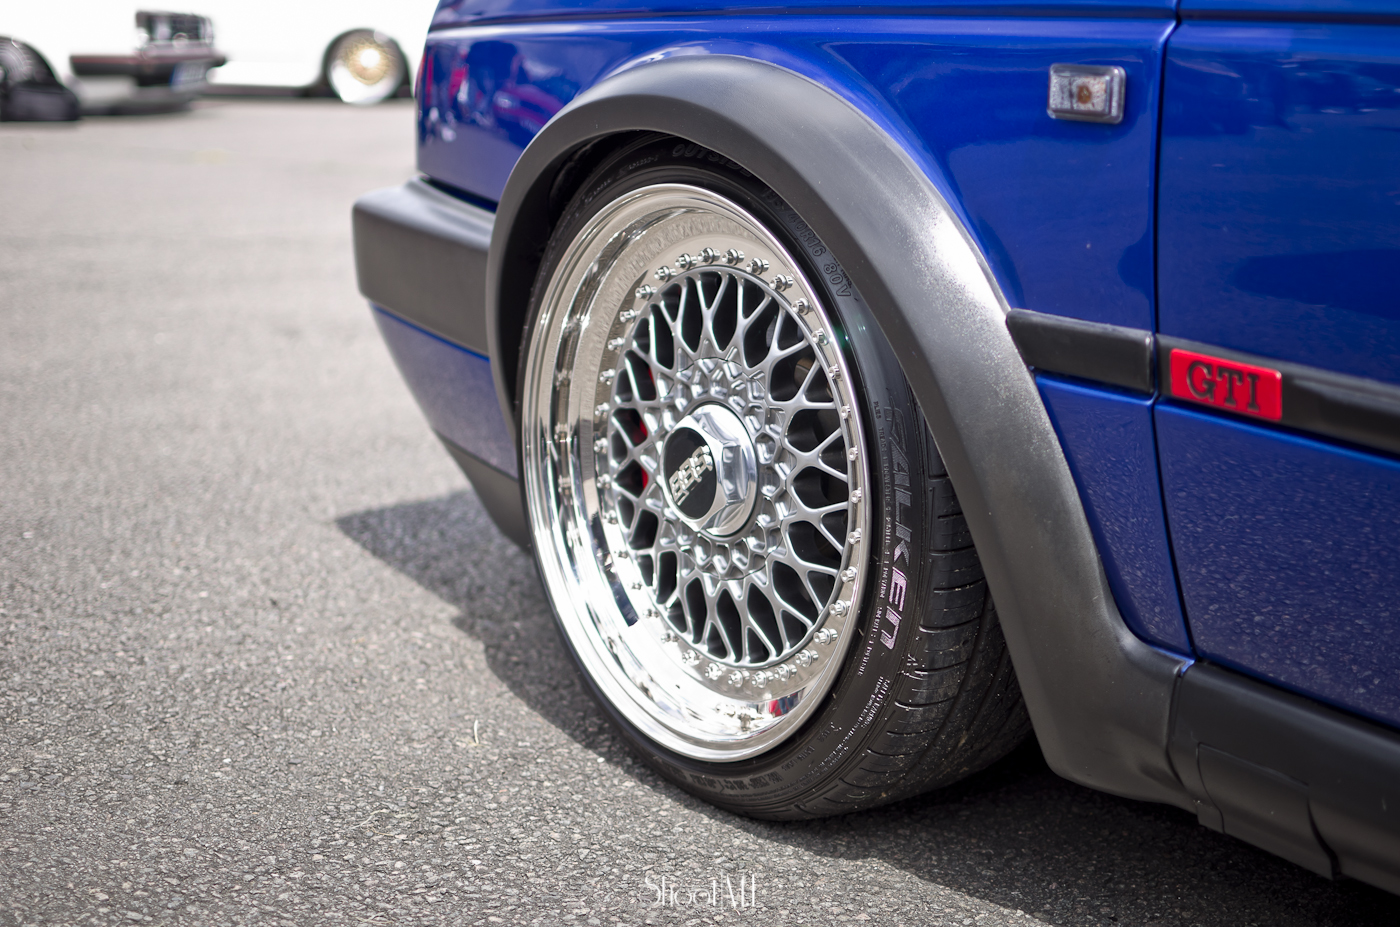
693, 458
364, 68
725, 515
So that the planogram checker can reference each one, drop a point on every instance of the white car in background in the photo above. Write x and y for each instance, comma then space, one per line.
362, 51
114, 57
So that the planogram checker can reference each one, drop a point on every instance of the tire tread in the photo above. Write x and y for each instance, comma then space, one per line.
957, 707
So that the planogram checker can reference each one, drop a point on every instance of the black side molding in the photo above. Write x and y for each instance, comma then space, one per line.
1088, 350
422, 254
1361, 411
1280, 771
1352, 409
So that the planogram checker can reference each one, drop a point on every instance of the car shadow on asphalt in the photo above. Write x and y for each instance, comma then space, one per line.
1016, 834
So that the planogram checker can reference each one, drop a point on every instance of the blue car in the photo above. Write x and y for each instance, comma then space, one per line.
875, 389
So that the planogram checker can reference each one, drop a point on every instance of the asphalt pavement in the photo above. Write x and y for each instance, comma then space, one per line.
264, 659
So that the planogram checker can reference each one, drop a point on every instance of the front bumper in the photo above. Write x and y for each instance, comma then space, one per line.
142, 82
420, 256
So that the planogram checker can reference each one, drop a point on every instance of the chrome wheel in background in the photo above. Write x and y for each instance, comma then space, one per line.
364, 68
695, 472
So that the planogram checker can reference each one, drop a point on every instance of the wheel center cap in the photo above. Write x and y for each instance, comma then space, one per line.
711, 470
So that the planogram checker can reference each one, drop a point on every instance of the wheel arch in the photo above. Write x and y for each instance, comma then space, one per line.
1099, 697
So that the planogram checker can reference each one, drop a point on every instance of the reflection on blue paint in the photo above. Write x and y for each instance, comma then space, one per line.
1283, 546
1280, 193
461, 12
454, 389
1108, 440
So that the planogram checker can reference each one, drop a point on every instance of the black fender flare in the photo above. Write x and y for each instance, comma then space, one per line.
1099, 697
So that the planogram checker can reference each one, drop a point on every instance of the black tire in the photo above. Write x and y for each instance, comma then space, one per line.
926, 694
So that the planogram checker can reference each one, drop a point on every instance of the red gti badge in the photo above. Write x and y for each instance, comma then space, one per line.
1213, 381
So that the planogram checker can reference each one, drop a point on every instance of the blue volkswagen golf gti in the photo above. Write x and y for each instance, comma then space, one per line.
876, 388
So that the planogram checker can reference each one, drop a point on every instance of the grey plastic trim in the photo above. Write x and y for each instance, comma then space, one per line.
422, 254
1285, 773
1089, 350
499, 493
1098, 696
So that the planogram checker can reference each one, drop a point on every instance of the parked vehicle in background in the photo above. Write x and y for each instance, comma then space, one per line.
359, 51
29, 89
113, 58
875, 387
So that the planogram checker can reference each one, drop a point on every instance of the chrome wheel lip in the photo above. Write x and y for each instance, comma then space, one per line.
661, 682
353, 80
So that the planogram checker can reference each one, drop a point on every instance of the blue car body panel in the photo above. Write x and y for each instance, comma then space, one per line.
1336, 10
454, 389
1110, 444
1279, 236
1280, 220
464, 12
1062, 211
1287, 557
